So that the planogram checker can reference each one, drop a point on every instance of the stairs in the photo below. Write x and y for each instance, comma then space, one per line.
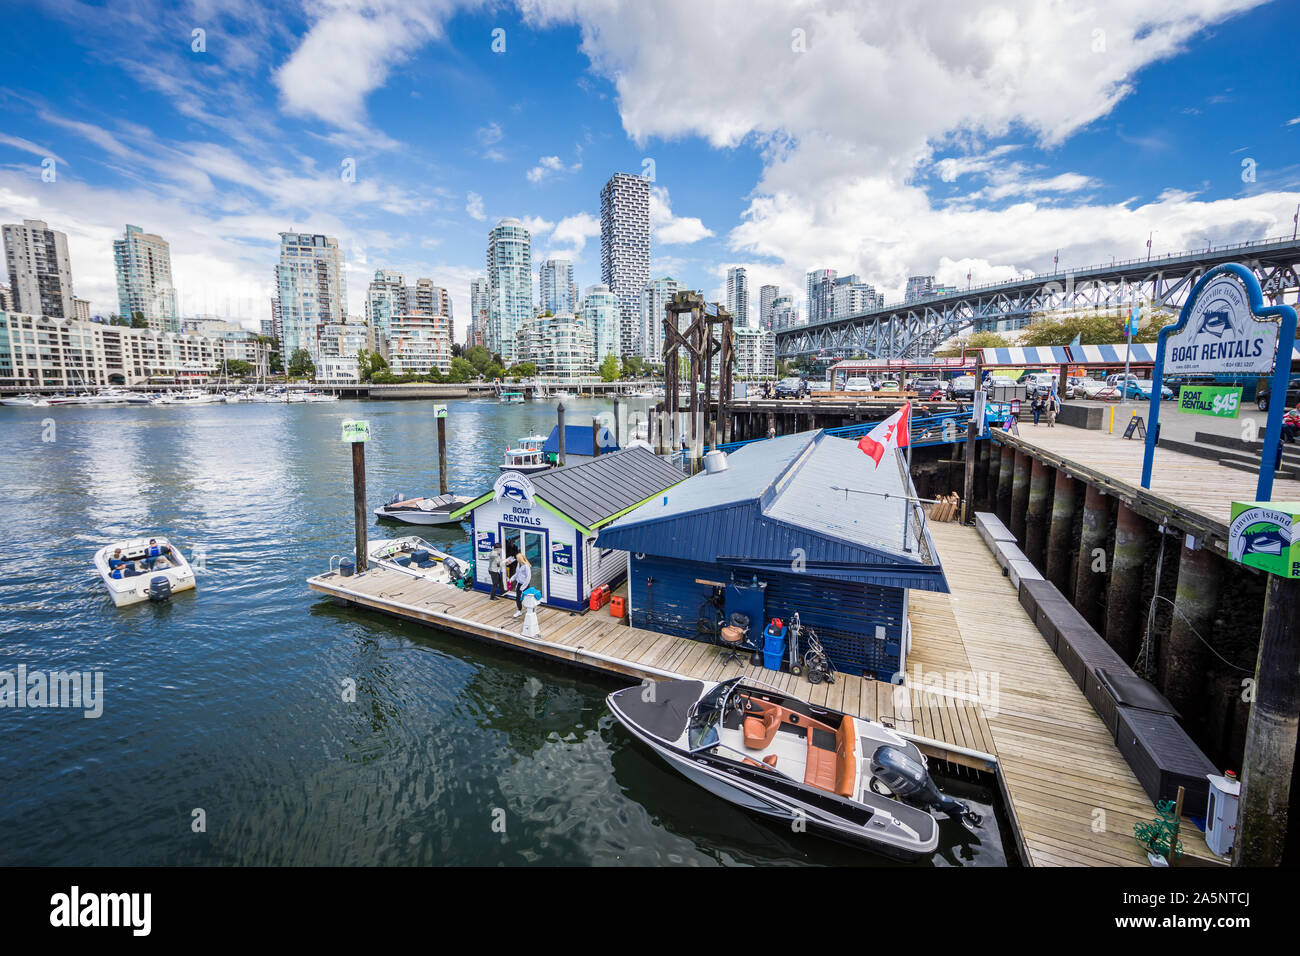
1236, 453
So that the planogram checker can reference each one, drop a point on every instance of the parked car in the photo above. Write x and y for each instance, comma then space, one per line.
859, 383
1037, 382
887, 385
1292, 394
961, 389
928, 387
1093, 388
792, 387
1138, 387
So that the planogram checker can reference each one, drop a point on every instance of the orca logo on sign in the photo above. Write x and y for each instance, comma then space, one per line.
1215, 323
514, 486
1259, 531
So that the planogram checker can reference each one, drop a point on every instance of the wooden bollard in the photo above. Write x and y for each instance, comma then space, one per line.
441, 412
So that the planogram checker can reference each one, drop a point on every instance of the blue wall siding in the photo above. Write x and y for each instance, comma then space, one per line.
844, 615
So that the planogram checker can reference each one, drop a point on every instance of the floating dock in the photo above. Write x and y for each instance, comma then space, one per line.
1070, 795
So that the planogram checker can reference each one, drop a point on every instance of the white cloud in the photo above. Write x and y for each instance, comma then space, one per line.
474, 206
575, 230
548, 165
669, 229
536, 225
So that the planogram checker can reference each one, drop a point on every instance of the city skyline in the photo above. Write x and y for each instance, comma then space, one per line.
1108, 132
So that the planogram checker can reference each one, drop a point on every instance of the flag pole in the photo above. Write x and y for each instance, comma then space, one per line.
907, 508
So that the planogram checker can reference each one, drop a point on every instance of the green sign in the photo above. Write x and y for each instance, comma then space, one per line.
1218, 401
440, 411
1260, 536
355, 431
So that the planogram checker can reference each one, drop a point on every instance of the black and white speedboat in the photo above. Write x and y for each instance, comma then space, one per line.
432, 511
853, 780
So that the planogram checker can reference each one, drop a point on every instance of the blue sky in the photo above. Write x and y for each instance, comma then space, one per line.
783, 136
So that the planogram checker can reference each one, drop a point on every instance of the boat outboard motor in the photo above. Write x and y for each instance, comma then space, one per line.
908, 780
160, 587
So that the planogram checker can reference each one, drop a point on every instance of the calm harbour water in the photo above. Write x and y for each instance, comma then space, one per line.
229, 698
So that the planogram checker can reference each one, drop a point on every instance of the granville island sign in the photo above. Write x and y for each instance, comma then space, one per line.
1222, 334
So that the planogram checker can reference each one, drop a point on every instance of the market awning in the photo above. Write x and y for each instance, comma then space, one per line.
1017, 357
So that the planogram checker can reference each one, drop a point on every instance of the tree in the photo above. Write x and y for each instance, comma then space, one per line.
480, 359
462, 370
138, 321
976, 340
237, 367
524, 370
301, 365
368, 363
457, 350
633, 366
609, 368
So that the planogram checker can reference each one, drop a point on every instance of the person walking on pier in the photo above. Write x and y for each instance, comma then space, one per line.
495, 565
1037, 407
1053, 406
523, 574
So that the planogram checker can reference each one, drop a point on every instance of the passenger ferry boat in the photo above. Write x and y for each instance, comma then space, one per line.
528, 457
512, 398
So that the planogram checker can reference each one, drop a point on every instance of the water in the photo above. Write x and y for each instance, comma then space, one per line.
229, 699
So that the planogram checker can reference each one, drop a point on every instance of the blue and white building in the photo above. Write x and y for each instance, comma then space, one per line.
600, 311
510, 287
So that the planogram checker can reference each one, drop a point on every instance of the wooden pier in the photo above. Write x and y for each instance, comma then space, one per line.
1070, 794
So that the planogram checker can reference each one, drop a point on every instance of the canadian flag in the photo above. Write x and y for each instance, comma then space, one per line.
893, 432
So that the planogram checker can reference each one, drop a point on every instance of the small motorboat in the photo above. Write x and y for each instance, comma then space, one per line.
853, 780
415, 556
115, 395
314, 397
512, 398
435, 510
143, 569
527, 457
25, 401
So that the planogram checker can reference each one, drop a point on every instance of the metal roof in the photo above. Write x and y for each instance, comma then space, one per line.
577, 441
593, 491
782, 505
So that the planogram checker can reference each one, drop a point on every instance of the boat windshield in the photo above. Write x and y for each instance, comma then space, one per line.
706, 716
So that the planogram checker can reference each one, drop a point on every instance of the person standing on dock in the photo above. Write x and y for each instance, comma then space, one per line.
1037, 407
496, 564
523, 574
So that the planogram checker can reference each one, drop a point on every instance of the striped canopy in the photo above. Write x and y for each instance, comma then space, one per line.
1141, 354
1047, 355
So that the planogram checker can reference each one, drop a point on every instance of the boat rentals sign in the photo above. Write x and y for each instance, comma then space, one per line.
356, 430
513, 486
1261, 535
1222, 334
1217, 401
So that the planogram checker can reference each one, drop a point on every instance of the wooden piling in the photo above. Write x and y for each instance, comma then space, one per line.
442, 454
1183, 660
990, 502
360, 515
559, 412
1091, 571
1060, 532
1019, 496
1269, 760
968, 495
595, 438
982, 459
1006, 480
1125, 619
1037, 514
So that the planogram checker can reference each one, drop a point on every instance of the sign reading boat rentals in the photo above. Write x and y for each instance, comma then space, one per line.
1222, 334
1261, 535
354, 431
1218, 401
513, 486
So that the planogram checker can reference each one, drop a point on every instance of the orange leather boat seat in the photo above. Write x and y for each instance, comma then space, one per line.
761, 725
820, 769
770, 760
846, 764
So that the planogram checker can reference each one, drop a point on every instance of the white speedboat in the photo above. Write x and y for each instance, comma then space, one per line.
418, 558
190, 396
318, 397
527, 457
429, 511
143, 569
69, 399
25, 401
847, 778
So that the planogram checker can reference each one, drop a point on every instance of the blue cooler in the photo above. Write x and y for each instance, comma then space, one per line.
420, 556
773, 647
346, 567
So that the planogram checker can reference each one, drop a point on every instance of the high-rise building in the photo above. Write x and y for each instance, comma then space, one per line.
420, 343
480, 307
766, 295
425, 298
561, 345
143, 262
650, 326
738, 296
311, 288
6, 300
40, 272
918, 287
625, 250
600, 312
557, 290
784, 313
510, 286
850, 296
386, 297
820, 282
82, 308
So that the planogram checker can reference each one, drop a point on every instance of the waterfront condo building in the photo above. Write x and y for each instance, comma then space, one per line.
850, 296
143, 262
338, 345
385, 298
561, 346
755, 353
625, 250
600, 312
785, 314
425, 298
510, 287
311, 288
558, 292
918, 287
480, 307
419, 344
738, 296
654, 310
40, 272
